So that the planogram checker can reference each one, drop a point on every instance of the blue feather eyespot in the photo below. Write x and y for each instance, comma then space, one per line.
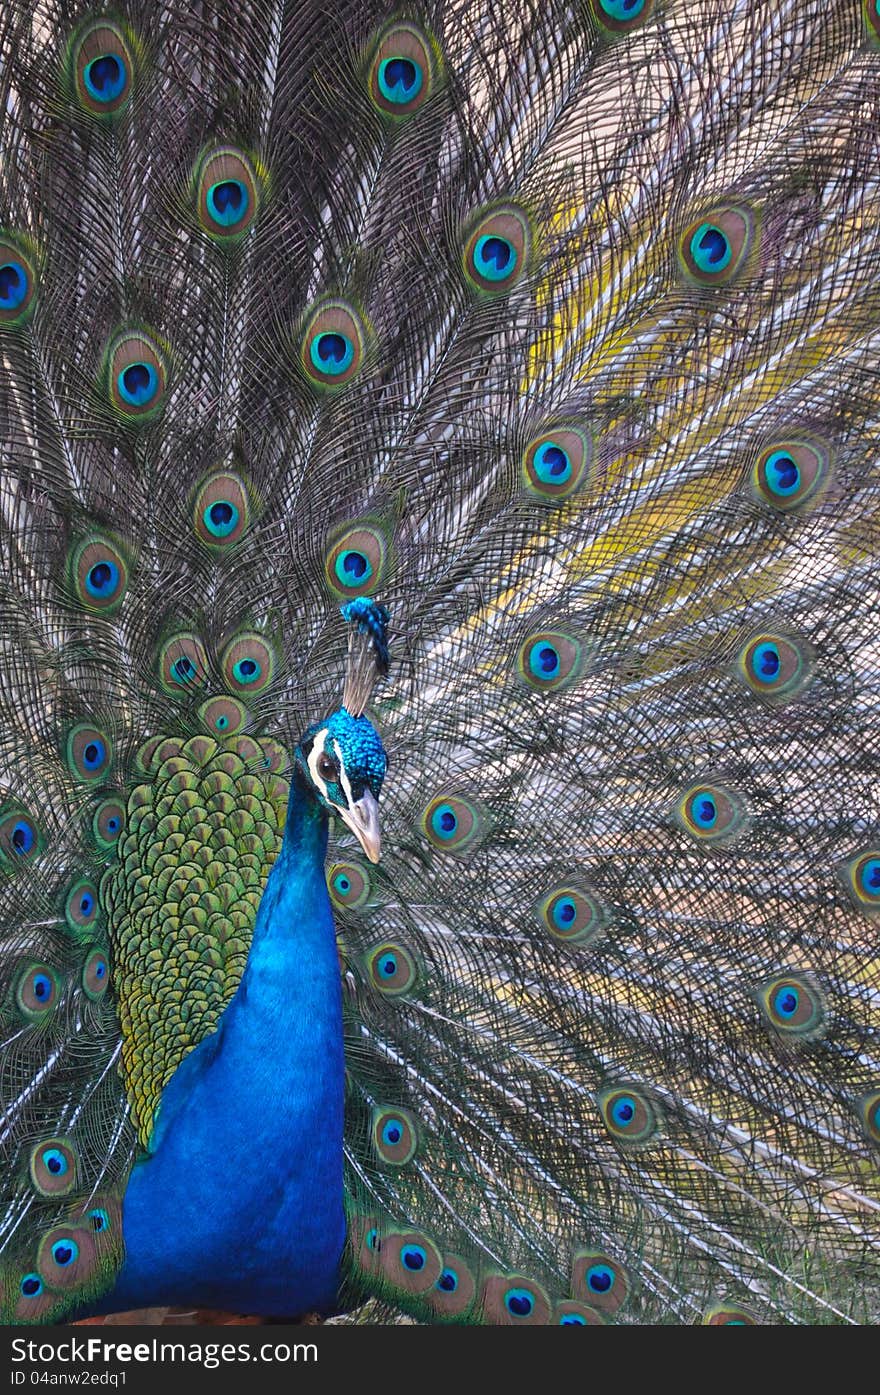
332, 345
221, 518
774, 665
552, 464
785, 1002
65, 1252
248, 664
710, 813
549, 661
37, 991
544, 662
105, 78
66, 1256
790, 474
331, 353
793, 1005
137, 384
89, 752
494, 257
394, 1135
629, 1114
726, 1316
96, 975
18, 281
497, 249
519, 1302
223, 716
227, 193
102, 67
31, 1286
409, 1260
355, 560
81, 904
869, 1113
349, 885
20, 837
137, 370
557, 462
452, 824
108, 821
620, 16
23, 837
221, 512
862, 880
572, 915
183, 664
710, 248
102, 579
227, 202
365, 1242
399, 81
455, 1288
99, 574
352, 567
715, 249
600, 1278
14, 285
401, 71
765, 662
444, 822
512, 1300
101, 1222
391, 968
53, 1167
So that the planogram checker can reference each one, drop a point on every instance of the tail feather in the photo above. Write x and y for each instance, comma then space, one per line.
573, 363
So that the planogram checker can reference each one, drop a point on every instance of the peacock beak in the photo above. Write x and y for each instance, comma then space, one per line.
363, 820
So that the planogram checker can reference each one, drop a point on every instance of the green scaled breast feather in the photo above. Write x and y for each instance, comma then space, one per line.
201, 833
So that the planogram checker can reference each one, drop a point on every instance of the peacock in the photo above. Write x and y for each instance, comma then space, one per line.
439, 826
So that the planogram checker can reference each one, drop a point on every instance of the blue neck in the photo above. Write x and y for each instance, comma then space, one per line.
239, 1204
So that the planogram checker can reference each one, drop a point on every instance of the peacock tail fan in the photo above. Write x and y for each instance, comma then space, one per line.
547, 334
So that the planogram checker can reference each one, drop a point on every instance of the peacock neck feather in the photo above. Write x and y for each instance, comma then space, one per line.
238, 1204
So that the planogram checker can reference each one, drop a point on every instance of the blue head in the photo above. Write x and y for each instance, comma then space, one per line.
342, 762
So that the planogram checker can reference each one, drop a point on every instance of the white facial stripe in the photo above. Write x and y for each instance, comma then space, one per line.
314, 756
321, 747
343, 778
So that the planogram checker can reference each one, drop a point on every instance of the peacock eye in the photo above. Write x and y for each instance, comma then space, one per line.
327, 767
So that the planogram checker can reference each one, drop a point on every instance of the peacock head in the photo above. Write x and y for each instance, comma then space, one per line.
342, 760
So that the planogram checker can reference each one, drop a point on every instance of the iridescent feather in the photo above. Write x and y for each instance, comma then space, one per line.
547, 335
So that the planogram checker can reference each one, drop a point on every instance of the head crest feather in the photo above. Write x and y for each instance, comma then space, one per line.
367, 652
